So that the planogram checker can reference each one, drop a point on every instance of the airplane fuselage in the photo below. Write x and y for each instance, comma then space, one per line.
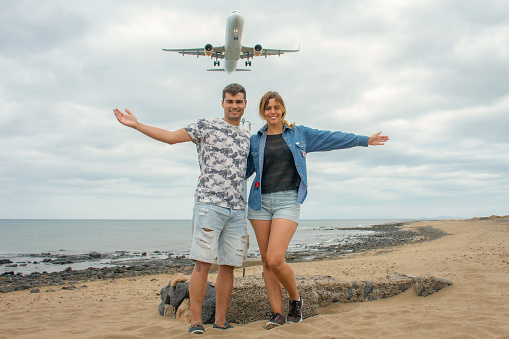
232, 51
233, 41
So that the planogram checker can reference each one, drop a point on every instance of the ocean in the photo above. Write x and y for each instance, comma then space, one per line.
28, 242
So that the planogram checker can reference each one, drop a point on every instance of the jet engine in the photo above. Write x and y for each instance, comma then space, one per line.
257, 50
208, 49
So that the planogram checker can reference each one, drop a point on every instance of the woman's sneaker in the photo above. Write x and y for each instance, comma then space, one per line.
276, 320
295, 311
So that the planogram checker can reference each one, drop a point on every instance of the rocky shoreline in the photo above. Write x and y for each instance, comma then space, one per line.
381, 236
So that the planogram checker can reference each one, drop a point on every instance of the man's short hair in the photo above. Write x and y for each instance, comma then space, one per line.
234, 89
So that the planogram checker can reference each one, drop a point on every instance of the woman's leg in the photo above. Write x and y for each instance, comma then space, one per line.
281, 232
273, 237
272, 284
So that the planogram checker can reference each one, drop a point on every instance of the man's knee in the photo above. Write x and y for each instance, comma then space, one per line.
226, 269
201, 267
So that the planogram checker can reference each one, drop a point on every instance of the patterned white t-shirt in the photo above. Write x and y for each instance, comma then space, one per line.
222, 153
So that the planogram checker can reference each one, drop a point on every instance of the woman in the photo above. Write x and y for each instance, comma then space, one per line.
277, 156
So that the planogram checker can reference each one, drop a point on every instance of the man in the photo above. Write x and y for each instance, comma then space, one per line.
218, 219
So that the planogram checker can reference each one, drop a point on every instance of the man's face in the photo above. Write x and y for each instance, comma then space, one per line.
234, 106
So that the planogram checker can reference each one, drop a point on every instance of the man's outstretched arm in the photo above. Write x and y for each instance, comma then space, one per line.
129, 119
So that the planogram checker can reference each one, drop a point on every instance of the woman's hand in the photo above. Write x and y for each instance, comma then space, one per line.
377, 139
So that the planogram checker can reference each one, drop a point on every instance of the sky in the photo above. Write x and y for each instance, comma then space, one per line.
432, 75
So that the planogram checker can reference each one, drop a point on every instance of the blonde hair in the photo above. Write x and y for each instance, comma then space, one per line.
264, 101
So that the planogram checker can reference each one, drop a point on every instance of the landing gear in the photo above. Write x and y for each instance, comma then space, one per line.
248, 63
216, 63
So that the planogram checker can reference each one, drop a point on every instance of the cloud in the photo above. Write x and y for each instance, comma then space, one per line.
432, 75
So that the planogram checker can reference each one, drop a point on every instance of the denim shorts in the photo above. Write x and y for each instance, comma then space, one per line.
218, 233
282, 205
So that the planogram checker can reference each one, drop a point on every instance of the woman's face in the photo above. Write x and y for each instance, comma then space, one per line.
273, 113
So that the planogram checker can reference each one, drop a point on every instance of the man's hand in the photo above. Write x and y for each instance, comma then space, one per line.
377, 139
128, 119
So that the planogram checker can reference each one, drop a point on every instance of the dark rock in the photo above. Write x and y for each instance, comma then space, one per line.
178, 293
5, 261
209, 305
35, 290
249, 300
94, 255
6, 289
165, 294
368, 289
22, 287
428, 285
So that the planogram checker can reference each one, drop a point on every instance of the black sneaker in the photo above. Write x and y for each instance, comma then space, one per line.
276, 320
196, 328
295, 311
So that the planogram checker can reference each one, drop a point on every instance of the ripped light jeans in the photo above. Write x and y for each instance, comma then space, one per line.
220, 233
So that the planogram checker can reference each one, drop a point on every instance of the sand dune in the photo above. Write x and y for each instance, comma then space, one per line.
475, 256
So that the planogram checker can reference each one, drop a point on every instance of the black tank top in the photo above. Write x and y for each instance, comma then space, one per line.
279, 172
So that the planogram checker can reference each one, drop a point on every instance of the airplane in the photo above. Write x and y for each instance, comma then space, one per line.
232, 50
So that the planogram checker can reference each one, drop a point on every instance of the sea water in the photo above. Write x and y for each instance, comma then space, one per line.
26, 240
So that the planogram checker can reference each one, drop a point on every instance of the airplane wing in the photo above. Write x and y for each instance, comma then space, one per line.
248, 52
217, 52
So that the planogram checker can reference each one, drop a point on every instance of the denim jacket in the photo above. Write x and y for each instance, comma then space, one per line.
301, 140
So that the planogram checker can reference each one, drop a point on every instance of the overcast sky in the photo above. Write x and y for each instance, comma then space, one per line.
433, 75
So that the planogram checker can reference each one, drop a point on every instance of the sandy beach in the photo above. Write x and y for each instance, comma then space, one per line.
475, 257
